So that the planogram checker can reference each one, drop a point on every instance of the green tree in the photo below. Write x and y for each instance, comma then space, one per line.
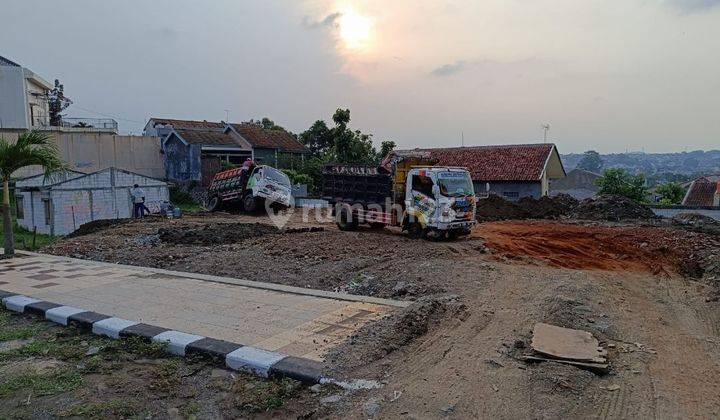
591, 161
339, 143
31, 148
620, 182
385, 148
671, 193
57, 103
317, 138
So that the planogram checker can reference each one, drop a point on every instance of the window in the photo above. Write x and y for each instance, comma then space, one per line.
422, 184
19, 207
47, 206
511, 194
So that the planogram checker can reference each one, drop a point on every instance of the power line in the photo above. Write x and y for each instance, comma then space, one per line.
106, 115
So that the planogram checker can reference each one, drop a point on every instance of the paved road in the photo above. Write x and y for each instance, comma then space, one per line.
303, 325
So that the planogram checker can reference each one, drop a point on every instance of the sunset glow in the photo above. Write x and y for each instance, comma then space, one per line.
355, 30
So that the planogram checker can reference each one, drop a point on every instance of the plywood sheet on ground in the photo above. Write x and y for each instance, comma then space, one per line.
566, 343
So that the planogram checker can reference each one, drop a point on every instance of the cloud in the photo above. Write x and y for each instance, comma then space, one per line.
449, 69
328, 20
693, 6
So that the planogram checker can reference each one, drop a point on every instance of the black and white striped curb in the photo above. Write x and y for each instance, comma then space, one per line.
236, 356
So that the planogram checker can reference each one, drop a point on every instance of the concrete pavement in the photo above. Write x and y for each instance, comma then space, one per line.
292, 321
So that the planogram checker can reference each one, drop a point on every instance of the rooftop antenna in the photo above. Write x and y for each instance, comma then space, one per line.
227, 115
546, 128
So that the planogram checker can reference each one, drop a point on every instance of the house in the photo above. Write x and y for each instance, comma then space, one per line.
703, 193
23, 97
578, 183
194, 150
62, 202
510, 171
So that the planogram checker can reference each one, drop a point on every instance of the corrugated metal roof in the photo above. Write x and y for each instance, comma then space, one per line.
5, 62
701, 193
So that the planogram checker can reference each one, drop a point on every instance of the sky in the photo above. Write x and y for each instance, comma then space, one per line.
608, 75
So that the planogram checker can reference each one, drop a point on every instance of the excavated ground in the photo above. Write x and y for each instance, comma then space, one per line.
647, 292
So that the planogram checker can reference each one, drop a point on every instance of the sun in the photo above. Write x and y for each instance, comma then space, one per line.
355, 30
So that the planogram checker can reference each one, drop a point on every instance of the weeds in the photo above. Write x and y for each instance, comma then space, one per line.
263, 395
120, 408
41, 384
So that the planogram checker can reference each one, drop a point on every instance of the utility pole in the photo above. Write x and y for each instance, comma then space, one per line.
462, 138
546, 128
227, 115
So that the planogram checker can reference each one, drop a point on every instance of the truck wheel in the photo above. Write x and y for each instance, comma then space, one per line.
415, 230
345, 221
213, 203
250, 204
453, 234
377, 225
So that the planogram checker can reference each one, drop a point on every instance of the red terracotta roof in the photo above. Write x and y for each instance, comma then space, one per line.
207, 137
701, 193
272, 139
522, 162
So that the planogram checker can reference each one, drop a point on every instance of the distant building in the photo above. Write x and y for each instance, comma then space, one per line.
578, 183
64, 201
703, 192
193, 150
23, 97
510, 171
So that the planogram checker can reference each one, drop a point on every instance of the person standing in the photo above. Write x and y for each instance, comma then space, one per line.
138, 199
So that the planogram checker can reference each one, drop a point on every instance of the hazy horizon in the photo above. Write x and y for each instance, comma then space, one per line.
606, 75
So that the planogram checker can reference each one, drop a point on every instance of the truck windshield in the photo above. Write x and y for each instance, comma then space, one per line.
274, 175
455, 184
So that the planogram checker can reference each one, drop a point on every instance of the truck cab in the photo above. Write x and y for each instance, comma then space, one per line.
439, 200
250, 187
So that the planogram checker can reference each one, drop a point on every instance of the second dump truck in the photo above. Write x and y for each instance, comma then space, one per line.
425, 200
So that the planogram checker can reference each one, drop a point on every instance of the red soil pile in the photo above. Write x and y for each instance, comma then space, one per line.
580, 247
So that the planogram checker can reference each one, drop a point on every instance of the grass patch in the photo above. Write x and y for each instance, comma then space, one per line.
8, 332
263, 395
117, 407
67, 344
46, 384
184, 201
23, 238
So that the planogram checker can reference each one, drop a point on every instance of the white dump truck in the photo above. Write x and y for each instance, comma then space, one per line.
428, 201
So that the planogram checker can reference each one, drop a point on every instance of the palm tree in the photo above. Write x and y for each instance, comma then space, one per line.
31, 148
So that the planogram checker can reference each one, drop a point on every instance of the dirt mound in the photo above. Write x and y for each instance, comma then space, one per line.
97, 226
697, 223
647, 249
376, 340
548, 207
612, 208
224, 233
495, 207
214, 234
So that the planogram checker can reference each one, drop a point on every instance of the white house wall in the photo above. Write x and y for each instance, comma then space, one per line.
87, 198
13, 100
34, 211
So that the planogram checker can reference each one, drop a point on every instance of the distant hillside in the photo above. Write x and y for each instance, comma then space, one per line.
660, 166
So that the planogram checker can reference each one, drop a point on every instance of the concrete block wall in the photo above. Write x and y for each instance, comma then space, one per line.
34, 212
71, 209
670, 211
523, 188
